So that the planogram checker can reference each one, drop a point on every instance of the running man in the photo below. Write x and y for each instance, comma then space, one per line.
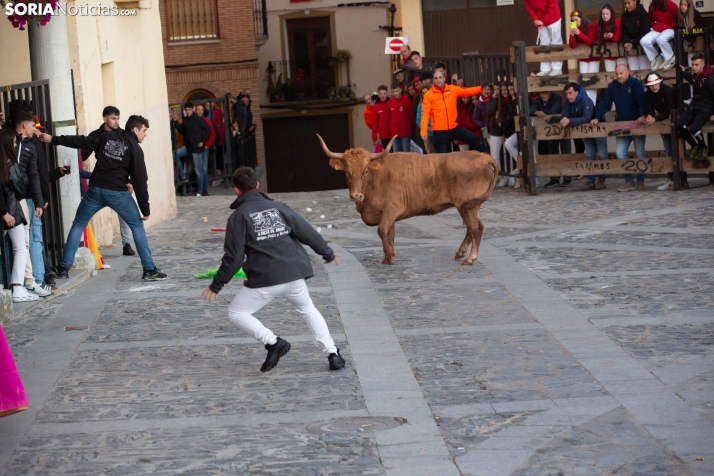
120, 161
264, 237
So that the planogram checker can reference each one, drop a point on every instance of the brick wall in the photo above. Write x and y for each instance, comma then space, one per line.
227, 64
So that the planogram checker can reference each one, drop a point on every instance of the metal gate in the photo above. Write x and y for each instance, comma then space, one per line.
38, 94
221, 157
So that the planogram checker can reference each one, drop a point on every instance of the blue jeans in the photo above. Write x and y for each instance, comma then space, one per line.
178, 155
667, 151
596, 147
121, 202
622, 143
200, 162
402, 144
36, 256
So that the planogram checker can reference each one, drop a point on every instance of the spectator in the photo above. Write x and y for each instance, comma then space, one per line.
202, 187
494, 130
578, 109
405, 57
663, 19
548, 104
507, 119
196, 132
369, 115
699, 111
12, 214
689, 18
240, 116
608, 29
425, 80
585, 32
479, 115
249, 112
660, 99
628, 95
546, 17
382, 128
179, 153
428, 142
634, 25
465, 110
400, 77
417, 60
400, 109
439, 106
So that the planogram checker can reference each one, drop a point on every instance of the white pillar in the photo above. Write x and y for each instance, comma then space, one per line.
49, 59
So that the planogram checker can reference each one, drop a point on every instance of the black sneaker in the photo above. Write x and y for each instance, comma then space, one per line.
275, 351
155, 275
50, 280
553, 183
566, 182
336, 361
128, 251
61, 273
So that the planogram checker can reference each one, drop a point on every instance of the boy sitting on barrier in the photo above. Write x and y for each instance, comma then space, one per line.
699, 111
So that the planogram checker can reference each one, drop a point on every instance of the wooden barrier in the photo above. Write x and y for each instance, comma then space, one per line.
538, 84
549, 128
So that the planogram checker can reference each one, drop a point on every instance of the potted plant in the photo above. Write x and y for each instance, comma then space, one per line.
25, 11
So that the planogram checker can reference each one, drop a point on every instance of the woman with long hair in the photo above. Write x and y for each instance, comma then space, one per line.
689, 18
495, 130
634, 25
506, 116
465, 111
663, 20
608, 30
12, 216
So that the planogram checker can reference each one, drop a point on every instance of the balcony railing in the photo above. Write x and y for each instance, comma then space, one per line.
289, 84
192, 19
260, 20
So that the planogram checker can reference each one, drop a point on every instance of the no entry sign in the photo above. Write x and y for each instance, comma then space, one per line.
394, 43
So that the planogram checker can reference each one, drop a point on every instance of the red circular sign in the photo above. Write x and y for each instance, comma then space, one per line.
395, 45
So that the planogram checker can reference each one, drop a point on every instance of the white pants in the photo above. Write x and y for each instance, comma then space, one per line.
251, 300
19, 254
638, 63
463, 146
495, 143
612, 64
29, 278
590, 67
651, 40
511, 145
550, 35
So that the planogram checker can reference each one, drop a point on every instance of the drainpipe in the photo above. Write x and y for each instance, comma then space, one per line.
49, 59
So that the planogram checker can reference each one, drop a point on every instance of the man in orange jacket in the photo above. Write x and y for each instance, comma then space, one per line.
439, 106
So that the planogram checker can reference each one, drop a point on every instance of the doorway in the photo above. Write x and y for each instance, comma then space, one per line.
310, 51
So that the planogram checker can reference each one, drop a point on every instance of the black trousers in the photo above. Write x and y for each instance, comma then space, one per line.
442, 139
695, 120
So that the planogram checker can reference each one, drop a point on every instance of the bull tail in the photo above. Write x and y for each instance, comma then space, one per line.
494, 167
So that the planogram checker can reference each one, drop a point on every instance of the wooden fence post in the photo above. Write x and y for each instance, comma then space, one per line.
525, 129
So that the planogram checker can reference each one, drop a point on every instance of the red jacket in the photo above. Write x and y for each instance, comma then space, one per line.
402, 116
464, 119
217, 121
660, 20
369, 116
212, 137
547, 11
383, 123
615, 34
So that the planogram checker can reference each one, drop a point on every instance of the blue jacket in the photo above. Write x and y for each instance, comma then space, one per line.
581, 111
629, 99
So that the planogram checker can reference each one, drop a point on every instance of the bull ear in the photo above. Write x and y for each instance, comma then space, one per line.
337, 164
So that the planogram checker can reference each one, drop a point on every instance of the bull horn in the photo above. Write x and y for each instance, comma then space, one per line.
328, 152
384, 152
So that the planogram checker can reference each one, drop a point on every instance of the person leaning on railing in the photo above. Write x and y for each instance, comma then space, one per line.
699, 111
578, 109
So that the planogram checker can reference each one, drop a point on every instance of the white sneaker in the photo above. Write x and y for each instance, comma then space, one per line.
656, 63
667, 65
216, 183
519, 183
511, 181
198, 194
543, 73
515, 172
39, 289
20, 294
556, 72
502, 182
668, 185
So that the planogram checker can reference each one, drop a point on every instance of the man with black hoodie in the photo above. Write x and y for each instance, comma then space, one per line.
699, 111
195, 133
634, 24
111, 115
264, 237
120, 161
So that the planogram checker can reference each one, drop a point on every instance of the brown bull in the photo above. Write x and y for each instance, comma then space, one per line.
390, 187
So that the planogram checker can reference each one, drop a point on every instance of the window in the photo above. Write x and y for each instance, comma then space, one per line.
191, 19
310, 45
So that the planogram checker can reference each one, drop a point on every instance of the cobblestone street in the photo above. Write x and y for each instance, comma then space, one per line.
581, 342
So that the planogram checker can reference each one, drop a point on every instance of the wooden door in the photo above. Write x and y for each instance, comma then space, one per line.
294, 159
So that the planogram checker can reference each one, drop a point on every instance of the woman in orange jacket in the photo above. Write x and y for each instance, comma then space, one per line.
439, 107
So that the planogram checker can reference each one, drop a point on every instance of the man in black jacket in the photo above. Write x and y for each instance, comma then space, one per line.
120, 161
111, 116
195, 134
690, 124
264, 237
547, 104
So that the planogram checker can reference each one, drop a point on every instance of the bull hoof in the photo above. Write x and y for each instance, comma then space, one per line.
387, 261
467, 262
459, 255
